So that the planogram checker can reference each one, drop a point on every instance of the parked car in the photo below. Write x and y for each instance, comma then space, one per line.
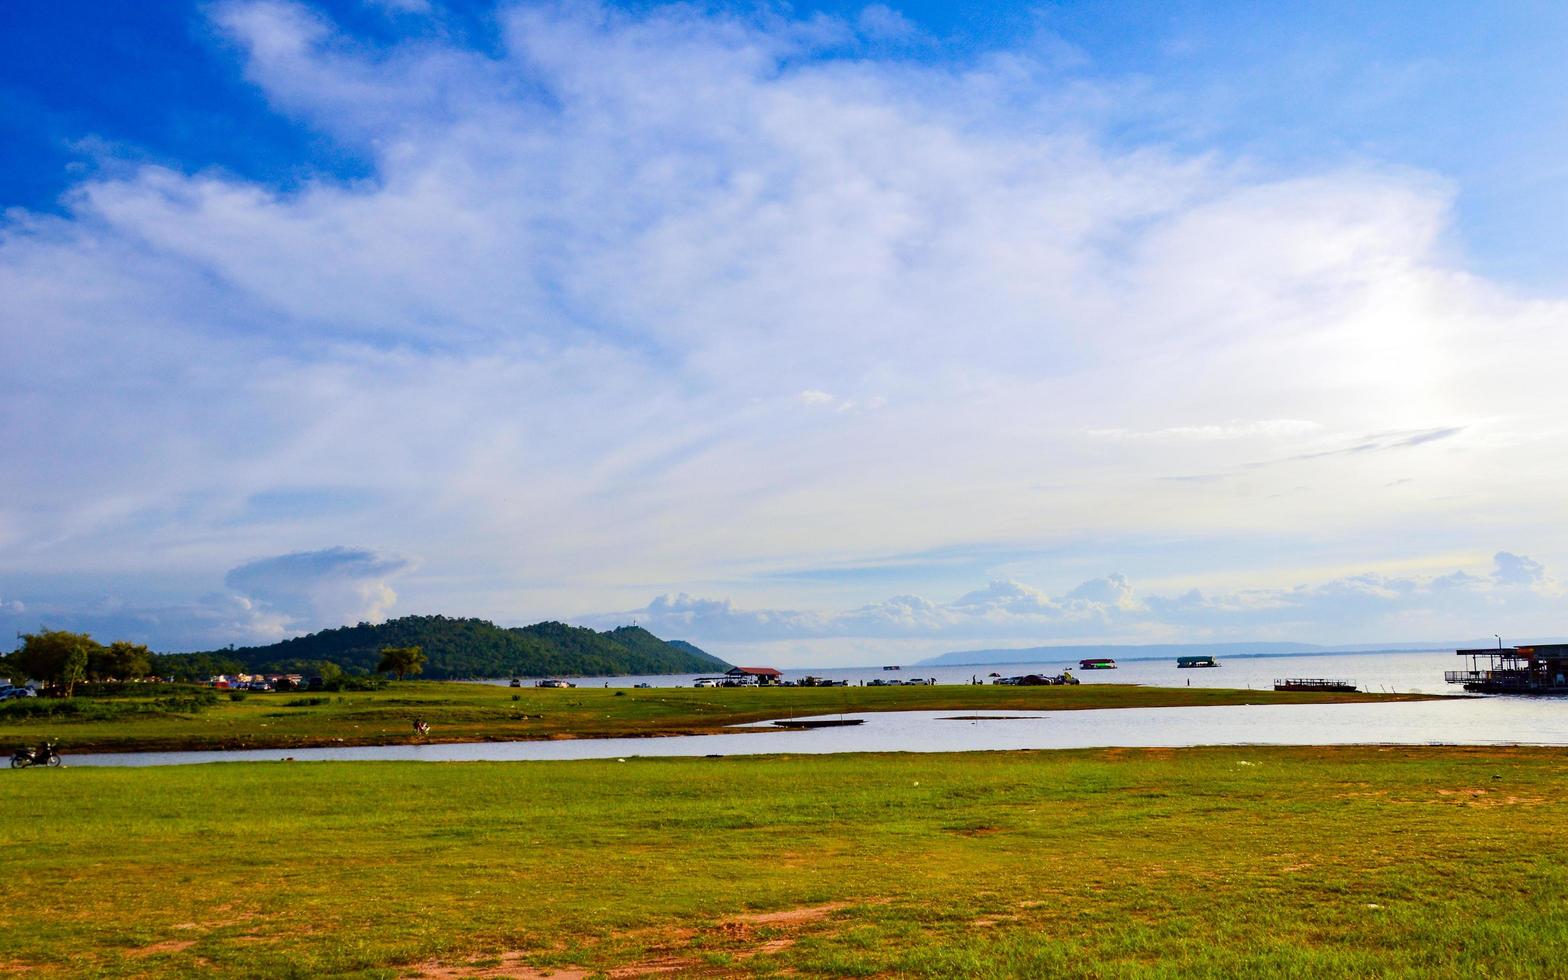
7, 693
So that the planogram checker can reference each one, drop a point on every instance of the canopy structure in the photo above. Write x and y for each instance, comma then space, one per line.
1538, 669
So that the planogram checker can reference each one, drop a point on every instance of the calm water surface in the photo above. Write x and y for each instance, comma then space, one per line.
1420, 673
1455, 721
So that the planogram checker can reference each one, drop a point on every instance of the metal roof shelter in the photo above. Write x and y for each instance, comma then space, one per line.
1538, 669
754, 675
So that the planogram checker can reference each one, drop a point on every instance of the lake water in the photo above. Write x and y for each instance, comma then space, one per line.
1420, 673
1451, 721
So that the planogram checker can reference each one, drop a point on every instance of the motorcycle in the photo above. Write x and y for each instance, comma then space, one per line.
44, 755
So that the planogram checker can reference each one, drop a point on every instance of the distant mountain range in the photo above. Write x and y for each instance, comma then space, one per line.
478, 648
1155, 651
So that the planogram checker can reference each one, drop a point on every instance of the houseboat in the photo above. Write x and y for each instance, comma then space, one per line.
1314, 684
553, 682
1201, 661
1538, 669
1097, 663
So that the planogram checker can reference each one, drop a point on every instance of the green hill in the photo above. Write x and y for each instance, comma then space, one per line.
477, 648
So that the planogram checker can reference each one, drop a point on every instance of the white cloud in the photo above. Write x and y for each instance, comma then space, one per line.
312, 589
1107, 609
881, 22
1234, 429
401, 6
559, 342
1511, 569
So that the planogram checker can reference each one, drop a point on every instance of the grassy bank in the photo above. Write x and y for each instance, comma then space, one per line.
1219, 862
480, 712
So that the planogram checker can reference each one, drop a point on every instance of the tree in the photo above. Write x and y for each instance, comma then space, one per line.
56, 657
121, 660
401, 660
74, 669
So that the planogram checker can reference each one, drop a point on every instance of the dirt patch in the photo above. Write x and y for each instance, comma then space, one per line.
1487, 798
985, 831
738, 931
811, 913
511, 968
167, 946
771, 946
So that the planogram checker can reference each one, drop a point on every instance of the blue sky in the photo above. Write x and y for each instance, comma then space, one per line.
820, 333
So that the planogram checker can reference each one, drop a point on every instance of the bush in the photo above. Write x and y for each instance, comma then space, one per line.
237, 695
306, 702
88, 709
349, 683
42, 708
141, 689
187, 705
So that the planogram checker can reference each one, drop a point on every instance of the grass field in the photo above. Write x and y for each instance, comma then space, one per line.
1218, 862
481, 712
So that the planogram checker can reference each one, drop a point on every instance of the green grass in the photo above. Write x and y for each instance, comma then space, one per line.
1199, 862
483, 712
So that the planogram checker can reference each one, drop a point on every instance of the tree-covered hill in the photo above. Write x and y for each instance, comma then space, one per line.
477, 648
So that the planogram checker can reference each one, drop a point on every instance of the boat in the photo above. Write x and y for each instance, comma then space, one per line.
553, 682
1204, 660
892, 668
820, 723
1039, 680
1538, 669
1097, 663
1314, 684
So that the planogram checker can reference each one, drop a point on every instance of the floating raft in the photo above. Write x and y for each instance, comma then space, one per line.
824, 723
1314, 684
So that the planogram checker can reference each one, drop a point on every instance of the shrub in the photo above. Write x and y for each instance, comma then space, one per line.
184, 705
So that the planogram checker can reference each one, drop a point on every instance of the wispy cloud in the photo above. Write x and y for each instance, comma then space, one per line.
1385, 441
630, 299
